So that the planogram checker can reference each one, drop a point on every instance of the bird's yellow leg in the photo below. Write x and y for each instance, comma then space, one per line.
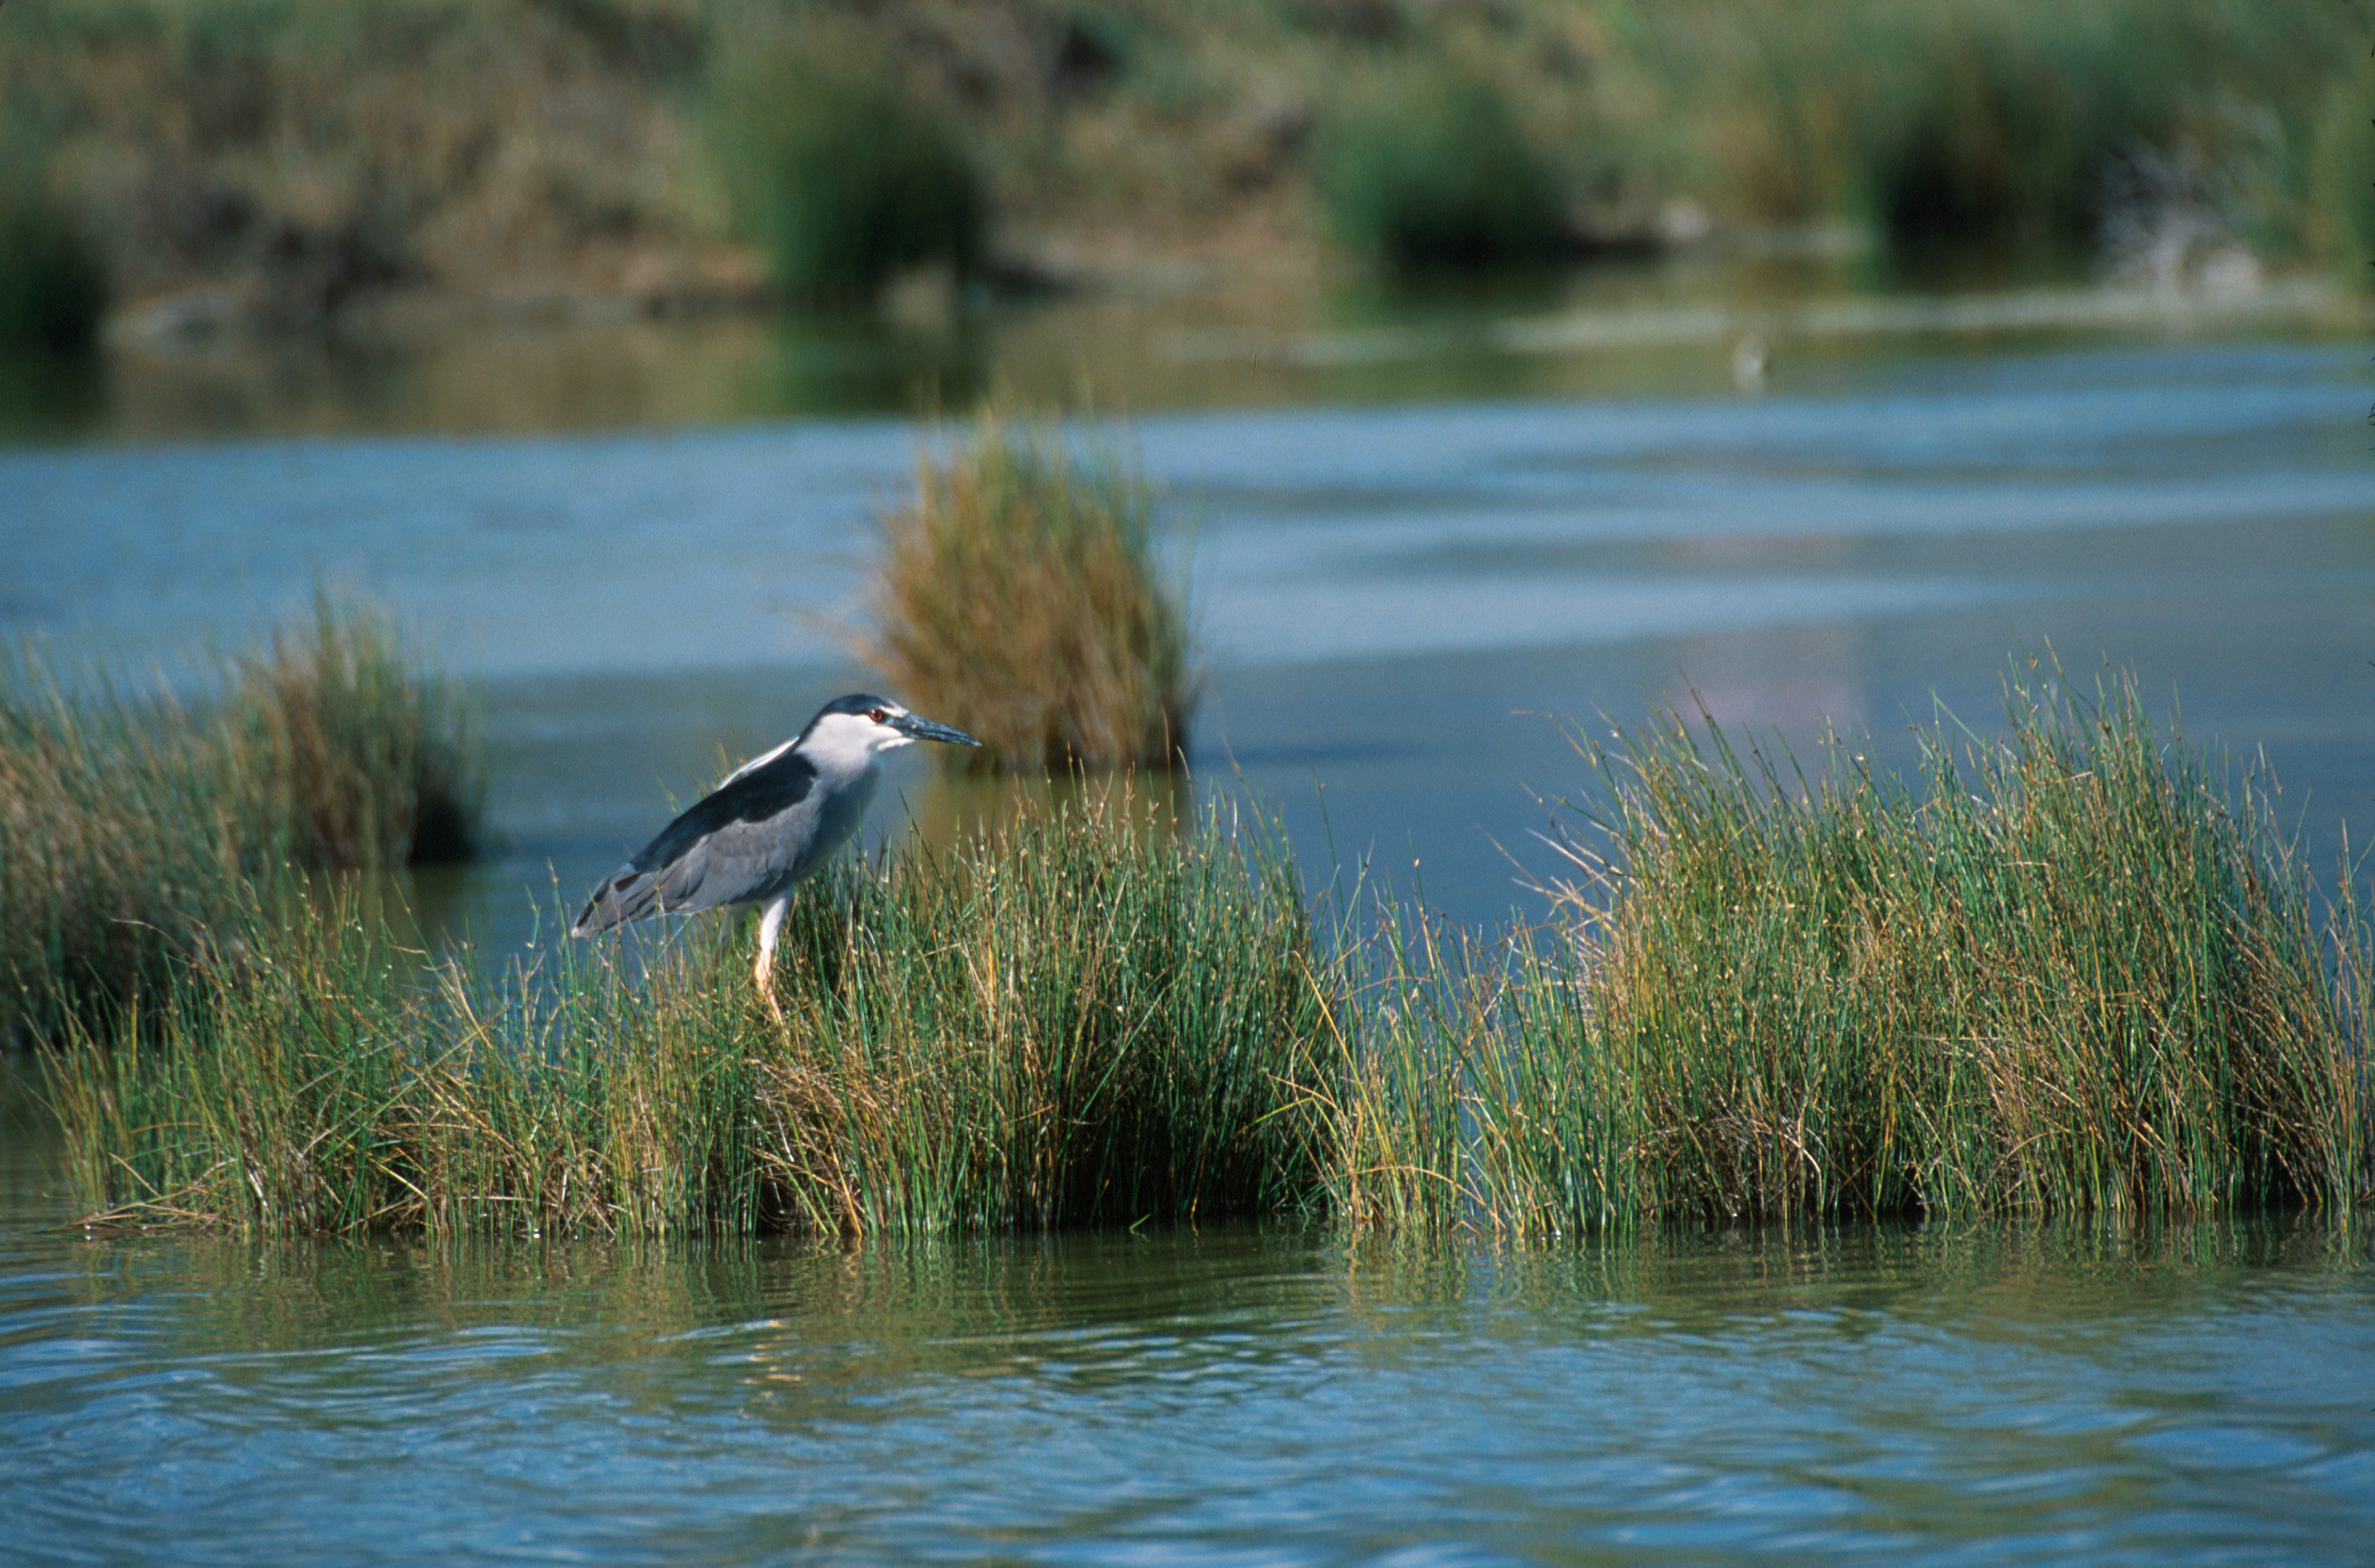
771, 923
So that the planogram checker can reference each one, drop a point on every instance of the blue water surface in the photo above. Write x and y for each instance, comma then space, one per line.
1995, 1394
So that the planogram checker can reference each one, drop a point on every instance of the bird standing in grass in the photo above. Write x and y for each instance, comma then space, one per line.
774, 819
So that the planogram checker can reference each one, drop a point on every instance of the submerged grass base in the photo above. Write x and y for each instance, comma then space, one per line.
2074, 971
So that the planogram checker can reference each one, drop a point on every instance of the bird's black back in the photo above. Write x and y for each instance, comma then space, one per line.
768, 790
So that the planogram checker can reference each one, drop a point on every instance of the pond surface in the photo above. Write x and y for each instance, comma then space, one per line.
1416, 543
1401, 604
2000, 1395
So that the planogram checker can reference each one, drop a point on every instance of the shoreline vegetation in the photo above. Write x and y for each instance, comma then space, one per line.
137, 822
193, 168
2072, 970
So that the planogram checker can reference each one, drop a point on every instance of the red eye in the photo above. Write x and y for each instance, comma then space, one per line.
878, 716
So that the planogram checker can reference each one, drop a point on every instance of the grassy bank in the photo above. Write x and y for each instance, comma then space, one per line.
2071, 971
135, 828
303, 159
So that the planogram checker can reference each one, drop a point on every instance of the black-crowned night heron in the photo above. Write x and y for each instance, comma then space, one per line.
774, 819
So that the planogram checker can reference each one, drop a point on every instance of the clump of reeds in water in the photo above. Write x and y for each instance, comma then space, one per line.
133, 825
340, 743
1074, 1021
1019, 599
2075, 973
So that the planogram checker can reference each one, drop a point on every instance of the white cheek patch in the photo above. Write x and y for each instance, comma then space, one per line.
845, 742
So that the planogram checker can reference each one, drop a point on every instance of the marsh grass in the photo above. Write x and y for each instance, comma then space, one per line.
53, 284
2078, 971
1019, 599
1074, 1021
2071, 969
133, 824
1427, 170
836, 167
336, 737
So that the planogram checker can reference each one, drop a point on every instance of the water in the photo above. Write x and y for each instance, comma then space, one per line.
1416, 540
1996, 1394
1401, 604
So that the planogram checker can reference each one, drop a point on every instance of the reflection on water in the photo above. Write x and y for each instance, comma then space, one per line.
1998, 1395
1193, 339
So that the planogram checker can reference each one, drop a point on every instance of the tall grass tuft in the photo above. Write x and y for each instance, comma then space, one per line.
1076, 1021
348, 749
1019, 598
833, 168
2003, 132
1428, 169
2073, 974
131, 826
52, 285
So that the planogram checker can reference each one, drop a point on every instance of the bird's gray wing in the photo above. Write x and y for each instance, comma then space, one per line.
750, 839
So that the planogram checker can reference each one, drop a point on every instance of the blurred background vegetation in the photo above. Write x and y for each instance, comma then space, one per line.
272, 164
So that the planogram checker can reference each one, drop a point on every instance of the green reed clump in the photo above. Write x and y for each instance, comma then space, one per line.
1074, 1021
254, 1085
1477, 1096
2075, 972
836, 168
131, 827
2072, 971
2341, 181
2004, 134
340, 743
1428, 169
1019, 598
52, 285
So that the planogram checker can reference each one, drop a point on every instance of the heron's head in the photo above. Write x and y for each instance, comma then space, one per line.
855, 729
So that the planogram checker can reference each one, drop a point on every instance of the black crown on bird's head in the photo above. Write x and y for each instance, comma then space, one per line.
862, 704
